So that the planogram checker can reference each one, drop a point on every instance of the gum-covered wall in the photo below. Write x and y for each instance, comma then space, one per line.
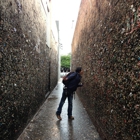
106, 44
28, 68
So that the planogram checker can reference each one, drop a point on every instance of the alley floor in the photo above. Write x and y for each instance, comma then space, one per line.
45, 125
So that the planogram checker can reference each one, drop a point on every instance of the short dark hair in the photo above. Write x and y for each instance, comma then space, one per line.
78, 69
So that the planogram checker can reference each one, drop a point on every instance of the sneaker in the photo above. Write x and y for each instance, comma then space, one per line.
59, 117
71, 117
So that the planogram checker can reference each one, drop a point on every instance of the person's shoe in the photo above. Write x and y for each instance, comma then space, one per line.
58, 117
71, 118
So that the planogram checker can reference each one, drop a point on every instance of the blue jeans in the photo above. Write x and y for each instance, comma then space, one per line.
66, 94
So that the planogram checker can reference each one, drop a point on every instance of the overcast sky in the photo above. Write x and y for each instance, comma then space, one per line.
66, 11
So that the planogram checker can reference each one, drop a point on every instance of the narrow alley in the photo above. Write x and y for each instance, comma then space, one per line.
45, 125
100, 36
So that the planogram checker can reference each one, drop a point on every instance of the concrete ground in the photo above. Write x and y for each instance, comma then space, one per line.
46, 126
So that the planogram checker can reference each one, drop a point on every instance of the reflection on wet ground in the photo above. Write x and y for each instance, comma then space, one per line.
45, 125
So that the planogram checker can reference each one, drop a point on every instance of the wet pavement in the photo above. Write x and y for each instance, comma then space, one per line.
45, 125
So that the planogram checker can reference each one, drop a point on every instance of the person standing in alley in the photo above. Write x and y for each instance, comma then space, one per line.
68, 91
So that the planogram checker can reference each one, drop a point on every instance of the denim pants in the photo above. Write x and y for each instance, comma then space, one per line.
69, 95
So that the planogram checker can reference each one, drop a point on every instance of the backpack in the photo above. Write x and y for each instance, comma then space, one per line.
66, 82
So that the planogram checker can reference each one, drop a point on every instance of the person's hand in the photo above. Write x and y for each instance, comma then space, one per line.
80, 84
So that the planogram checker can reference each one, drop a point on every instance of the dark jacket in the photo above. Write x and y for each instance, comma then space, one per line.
74, 83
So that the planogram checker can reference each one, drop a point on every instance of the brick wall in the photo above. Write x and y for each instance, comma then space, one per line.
106, 44
28, 68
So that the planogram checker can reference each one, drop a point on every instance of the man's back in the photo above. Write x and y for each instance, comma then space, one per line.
73, 84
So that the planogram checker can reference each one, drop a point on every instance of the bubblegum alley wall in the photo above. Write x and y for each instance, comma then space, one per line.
28, 68
106, 44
